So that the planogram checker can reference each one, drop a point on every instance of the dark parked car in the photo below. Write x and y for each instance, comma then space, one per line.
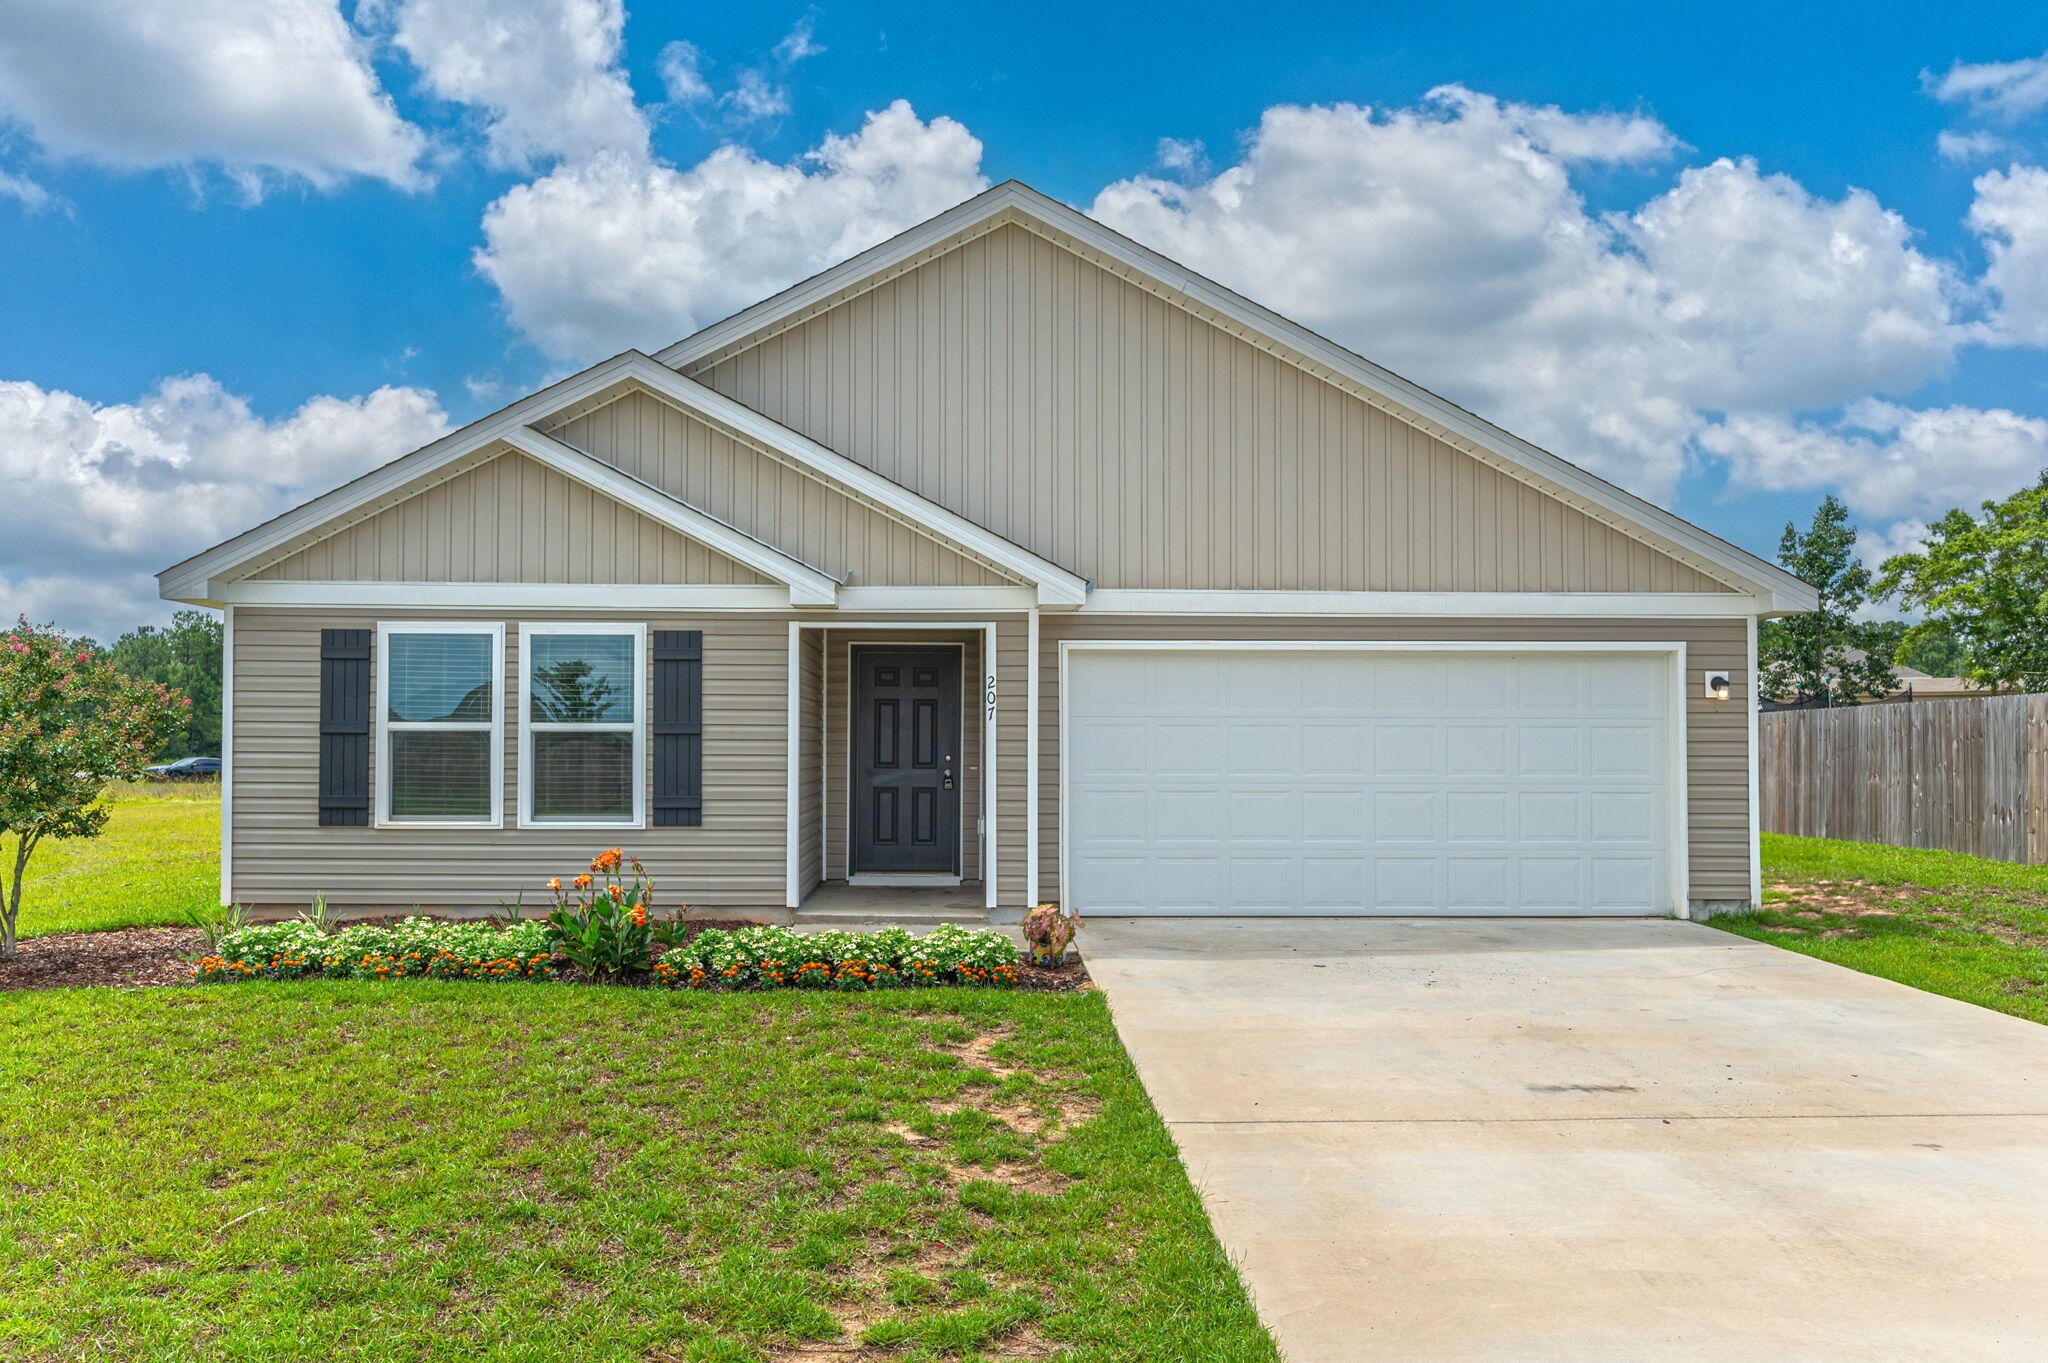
185, 769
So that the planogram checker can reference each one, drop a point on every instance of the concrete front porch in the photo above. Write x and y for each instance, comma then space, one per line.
837, 904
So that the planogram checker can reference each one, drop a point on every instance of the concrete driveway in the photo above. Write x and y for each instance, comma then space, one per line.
1539, 1139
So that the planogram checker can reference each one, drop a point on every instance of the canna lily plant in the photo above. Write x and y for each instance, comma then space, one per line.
603, 920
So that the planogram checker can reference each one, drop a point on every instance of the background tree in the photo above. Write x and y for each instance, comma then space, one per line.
70, 721
1983, 581
1826, 655
186, 656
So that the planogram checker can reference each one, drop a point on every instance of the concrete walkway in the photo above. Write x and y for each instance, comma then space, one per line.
1549, 1139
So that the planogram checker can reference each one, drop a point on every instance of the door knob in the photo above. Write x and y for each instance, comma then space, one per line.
949, 778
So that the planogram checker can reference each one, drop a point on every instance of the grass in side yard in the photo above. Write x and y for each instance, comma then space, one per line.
158, 862
356, 1171
1951, 924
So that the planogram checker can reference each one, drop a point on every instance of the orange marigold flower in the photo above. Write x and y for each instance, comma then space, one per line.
554, 882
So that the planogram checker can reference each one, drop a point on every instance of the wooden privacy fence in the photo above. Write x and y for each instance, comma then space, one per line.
1967, 775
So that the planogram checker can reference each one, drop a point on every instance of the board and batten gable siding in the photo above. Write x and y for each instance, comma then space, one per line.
766, 498
283, 857
1716, 778
512, 519
1138, 445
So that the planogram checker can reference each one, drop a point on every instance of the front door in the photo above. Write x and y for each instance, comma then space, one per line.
906, 769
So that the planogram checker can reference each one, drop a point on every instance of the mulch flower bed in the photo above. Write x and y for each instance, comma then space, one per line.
164, 957
124, 957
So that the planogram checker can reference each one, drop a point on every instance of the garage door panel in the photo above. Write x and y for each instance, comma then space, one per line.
1478, 816
1407, 884
1179, 748
1333, 816
1263, 749
1283, 781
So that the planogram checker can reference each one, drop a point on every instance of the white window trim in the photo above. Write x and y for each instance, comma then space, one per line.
642, 701
383, 725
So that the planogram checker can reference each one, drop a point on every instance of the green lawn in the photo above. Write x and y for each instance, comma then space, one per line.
514, 1171
157, 863
1962, 926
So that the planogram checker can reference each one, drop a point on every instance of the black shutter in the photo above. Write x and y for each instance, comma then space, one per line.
677, 728
344, 728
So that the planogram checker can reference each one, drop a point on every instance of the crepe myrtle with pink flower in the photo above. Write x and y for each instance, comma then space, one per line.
70, 722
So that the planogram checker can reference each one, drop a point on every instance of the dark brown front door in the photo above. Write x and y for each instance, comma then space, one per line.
906, 760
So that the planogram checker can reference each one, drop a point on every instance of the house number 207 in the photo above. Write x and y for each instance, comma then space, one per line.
988, 694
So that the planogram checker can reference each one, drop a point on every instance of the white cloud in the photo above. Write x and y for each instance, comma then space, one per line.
2007, 90
595, 258
23, 190
545, 73
798, 43
259, 87
2010, 213
755, 97
116, 492
1183, 154
1885, 460
1449, 242
1874, 546
1976, 146
681, 67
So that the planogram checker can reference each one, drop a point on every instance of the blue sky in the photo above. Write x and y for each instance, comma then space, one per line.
1718, 253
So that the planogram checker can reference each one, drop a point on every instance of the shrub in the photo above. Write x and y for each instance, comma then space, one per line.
773, 958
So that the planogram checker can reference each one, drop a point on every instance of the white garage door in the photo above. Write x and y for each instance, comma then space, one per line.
1278, 781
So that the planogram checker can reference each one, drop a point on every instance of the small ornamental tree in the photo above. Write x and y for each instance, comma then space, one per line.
69, 723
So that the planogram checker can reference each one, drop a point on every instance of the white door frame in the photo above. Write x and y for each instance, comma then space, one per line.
793, 807
1673, 654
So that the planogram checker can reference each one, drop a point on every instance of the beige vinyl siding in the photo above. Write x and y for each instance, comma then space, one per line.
282, 856
839, 644
1120, 436
767, 499
810, 761
1716, 778
512, 519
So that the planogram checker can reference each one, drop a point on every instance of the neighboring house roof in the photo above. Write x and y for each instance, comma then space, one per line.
1012, 202
198, 578
194, 579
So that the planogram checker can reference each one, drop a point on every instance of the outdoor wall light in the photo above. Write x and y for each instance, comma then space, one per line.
1717, 685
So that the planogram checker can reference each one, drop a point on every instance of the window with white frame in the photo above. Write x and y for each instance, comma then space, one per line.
583, 725
439, 715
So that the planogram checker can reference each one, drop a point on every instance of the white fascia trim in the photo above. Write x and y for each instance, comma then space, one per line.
937, 598
588, 596
807, 585
1631, 605
181, 580
1056, 586
1787, 592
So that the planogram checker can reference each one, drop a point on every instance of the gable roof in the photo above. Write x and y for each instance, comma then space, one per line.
1015, 203
514, 425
